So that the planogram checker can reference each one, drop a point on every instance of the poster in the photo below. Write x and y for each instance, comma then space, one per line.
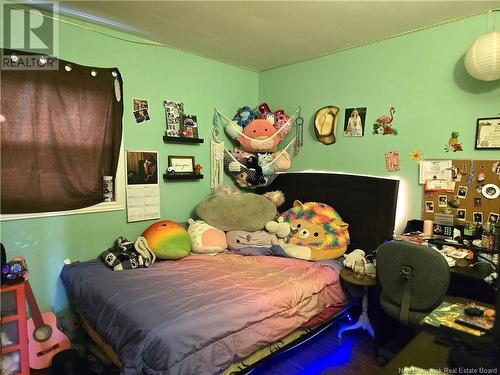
143, 190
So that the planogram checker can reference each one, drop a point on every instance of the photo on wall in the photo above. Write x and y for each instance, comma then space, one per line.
142, 168
354, 122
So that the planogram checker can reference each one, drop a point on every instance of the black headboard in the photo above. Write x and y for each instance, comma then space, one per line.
367, 204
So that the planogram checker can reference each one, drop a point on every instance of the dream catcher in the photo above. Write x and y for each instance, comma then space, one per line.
258, 157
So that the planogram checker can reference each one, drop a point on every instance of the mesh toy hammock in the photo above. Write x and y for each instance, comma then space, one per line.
259, 160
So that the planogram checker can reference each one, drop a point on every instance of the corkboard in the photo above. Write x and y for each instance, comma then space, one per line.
473, 201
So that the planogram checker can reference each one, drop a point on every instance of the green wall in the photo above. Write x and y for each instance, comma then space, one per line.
421, 74
151, 73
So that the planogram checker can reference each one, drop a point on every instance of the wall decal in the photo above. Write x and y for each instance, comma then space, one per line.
453, 144
416, 155
383, 125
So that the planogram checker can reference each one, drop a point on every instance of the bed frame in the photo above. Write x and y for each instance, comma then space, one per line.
367, 204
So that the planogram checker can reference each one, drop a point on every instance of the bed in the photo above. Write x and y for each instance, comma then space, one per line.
219, 314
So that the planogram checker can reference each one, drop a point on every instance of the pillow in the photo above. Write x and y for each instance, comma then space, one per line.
246, 211
206, 239
317, 229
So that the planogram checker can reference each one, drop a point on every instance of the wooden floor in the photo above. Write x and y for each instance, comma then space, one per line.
325, 354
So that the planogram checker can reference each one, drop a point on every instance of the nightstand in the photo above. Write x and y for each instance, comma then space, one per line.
13, 330
365, 281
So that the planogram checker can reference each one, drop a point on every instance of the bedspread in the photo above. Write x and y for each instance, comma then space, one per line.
199, 314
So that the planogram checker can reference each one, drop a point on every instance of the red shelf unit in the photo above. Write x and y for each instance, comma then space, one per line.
13, 327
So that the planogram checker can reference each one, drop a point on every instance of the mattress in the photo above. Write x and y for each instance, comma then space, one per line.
199, 314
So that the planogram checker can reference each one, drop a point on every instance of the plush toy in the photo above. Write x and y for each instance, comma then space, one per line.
238, 239
244, 116
318, 228
259, 136
168, 240
206, 239
266, 162
281, 161
280, 228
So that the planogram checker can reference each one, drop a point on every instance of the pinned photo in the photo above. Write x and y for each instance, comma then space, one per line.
141, 116
392, 161
493, 218
462, 192
477, 217
429, 206
141, 113
442, 200
354, 123
140, 104
461, 213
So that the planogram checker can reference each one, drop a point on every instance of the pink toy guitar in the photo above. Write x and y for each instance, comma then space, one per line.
44, 339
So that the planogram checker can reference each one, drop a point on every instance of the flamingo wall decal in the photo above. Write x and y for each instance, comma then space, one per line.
386, 120
383, 125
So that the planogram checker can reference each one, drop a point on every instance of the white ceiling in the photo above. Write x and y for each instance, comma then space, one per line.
261, 35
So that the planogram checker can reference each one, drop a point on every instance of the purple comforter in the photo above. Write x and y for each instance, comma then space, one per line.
199, 314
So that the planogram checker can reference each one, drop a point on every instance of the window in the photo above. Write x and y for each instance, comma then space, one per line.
62, 134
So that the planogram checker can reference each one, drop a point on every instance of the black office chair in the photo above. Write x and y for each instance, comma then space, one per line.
413, 280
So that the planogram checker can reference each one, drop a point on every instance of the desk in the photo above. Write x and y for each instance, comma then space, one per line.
422, 352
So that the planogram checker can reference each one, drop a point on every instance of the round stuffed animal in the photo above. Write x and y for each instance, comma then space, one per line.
168, 240
319, 228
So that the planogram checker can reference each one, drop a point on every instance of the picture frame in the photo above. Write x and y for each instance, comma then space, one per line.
174, 111
189, 126
183, 165
488, 133
461, 214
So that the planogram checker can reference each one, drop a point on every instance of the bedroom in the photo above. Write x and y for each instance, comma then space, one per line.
420, 73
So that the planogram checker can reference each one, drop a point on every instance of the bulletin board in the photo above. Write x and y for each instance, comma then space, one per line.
475, 194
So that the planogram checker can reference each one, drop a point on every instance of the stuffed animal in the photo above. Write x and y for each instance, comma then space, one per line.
238, 239
266, 162
206, 239
280, 228
258, 178
318, 228
244, 116
259, 136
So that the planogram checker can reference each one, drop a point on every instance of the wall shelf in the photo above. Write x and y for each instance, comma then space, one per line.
168, 139
178, 176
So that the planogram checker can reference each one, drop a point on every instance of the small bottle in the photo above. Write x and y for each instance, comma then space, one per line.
107, 188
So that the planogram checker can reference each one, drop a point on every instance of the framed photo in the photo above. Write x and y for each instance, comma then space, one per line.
429, 206
477, 217
180, 164
488, 133
173, 113
461, 214
442, 200
462, 192
354, 122
477, 202
435, 170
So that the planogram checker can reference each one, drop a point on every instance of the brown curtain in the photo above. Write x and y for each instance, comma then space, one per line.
61, 136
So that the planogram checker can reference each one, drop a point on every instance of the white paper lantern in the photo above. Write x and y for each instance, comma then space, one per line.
482, 59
